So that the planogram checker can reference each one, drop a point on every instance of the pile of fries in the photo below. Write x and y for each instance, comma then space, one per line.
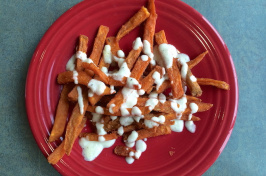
126, 95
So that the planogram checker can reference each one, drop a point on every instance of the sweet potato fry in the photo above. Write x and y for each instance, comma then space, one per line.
193, 85
67, 77
101, 75
114, 48
186, 117
74, 122
59, 152
213, 82
95, 137
165, 85
139, 68
152, 132
61, 114
73, 94
83, 79
133, 22
148, 81
132, 57
99, 44
173, 72
82, 47
122, 150
149, 27
197, 60
160, 37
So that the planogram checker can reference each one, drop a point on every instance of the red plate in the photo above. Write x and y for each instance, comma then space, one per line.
185, 28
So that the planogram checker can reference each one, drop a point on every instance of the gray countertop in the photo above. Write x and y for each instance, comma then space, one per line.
242, 25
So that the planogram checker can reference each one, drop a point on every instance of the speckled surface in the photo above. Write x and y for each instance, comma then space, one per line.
241, 24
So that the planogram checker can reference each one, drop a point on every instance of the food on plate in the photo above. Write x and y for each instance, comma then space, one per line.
136, 96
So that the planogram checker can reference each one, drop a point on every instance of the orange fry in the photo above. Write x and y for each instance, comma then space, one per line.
173, 72
197, 60
61, 115
132, 57
149, 27
148, 81
114, 48
74, 122
83, 79
213, 82
122, 150
101, 75
193, 86
99, 44
152, 132
139, 68
165, 85
73, 94
95, 137
83, 47
59, 152
133, 22
67, 77
160, 37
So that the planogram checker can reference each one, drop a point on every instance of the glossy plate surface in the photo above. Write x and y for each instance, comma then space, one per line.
185, 28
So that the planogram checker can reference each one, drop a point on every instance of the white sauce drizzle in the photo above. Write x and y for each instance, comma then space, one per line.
152, 101
70, 66
80, 100
162, 98
141, 92
147, 51
132, 137
125, 121
144, 57
105, 70
124, 71
132, 82
96, 86
168, 53
101, 138
150, 123
191, 127
120, 53
75, 77
100, 129
113, 117
141, 146
119, 60
137, 43
179, 105
193, 78
177, 126
99, 110
136, 111
92, 149
107, 54
81, 55
158, 80
112, 87
183, 59
111, 108
160, 119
